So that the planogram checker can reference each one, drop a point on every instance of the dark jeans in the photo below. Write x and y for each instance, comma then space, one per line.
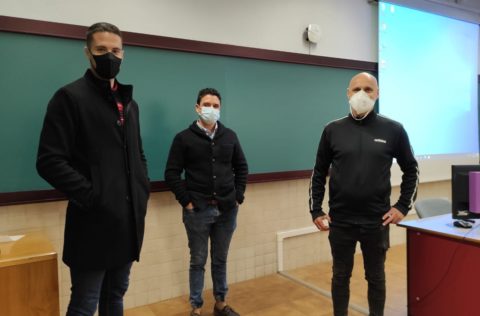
201, 225
91, 287
374, 243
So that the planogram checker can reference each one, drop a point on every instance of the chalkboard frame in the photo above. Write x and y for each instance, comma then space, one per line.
69, 31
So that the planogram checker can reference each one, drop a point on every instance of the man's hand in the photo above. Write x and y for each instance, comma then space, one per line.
189, 206
393, 216
322, 222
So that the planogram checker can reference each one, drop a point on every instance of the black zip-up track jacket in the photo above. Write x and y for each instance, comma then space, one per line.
359, 154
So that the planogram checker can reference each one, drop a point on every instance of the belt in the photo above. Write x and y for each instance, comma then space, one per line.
212, 202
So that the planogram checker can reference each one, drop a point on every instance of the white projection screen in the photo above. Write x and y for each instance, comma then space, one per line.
427, 67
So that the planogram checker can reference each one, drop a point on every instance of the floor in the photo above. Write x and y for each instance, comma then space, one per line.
396, 272
277, 295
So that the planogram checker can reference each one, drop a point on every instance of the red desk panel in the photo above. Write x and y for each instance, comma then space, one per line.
443, 267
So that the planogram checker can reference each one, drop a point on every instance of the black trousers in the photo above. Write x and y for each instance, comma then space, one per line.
374, 243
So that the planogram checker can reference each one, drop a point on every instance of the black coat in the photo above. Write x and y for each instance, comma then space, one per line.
85, 153
214, 169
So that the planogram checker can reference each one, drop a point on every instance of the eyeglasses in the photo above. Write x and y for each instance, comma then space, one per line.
118, 52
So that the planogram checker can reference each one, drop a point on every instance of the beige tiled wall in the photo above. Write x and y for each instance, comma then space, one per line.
313, 248
163, 270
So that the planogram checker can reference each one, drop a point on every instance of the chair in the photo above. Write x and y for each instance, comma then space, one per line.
433, 207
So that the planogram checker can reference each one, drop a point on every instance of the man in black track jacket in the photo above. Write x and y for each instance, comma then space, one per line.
215, 178
358, 151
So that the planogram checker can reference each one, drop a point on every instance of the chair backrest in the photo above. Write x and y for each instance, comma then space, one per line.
433, 207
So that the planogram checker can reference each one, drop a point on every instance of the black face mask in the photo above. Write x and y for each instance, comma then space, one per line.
108, 65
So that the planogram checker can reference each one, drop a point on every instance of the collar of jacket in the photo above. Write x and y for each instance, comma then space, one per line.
220, 129
370, 118
103, 86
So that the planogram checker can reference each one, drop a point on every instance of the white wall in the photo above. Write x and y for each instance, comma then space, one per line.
349, 26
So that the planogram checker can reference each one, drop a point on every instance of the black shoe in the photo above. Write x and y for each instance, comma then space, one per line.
226, 311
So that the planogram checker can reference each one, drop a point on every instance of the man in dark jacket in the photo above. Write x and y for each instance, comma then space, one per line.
90, 149
360, 149
215, 179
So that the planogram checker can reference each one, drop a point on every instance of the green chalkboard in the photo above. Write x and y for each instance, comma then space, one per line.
277, 109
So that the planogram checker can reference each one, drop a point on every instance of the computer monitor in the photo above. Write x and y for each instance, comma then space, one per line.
460, 196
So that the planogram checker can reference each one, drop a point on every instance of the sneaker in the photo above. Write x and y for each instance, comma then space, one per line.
226, 311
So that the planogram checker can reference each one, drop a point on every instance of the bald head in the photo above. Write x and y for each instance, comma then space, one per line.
362, 93
363, 81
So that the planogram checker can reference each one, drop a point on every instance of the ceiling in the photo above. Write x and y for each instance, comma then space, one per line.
468, 5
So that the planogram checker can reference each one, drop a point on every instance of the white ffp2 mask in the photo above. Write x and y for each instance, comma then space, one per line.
361, 102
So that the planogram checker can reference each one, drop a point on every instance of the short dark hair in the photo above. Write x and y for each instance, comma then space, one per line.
101, 27
206, 91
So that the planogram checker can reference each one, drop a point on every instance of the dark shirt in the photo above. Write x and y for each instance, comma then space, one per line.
215, 169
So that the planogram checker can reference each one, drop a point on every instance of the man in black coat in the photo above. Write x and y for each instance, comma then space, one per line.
90, 149
215, 179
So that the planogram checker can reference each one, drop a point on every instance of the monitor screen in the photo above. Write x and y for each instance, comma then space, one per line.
460, 196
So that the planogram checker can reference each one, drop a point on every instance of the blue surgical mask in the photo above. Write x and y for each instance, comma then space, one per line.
209, 115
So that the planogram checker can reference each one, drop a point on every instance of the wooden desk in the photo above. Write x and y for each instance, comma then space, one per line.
28, 277
443, 267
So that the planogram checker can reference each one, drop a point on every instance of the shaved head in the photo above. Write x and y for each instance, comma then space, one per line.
368, 84
363, 76
363, 81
